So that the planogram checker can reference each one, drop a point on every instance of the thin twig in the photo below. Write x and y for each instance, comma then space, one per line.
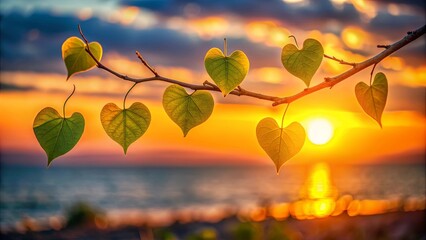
383, 46
340, 60
146, 64
99, 64
207, 83
329, 82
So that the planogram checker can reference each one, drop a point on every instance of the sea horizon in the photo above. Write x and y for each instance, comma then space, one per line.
38, 192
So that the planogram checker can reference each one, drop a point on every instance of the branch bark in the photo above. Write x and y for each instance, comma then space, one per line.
329, 82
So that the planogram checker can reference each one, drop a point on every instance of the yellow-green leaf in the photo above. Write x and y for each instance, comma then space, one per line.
226, 71
280, 144
305, 62
187, 110
125, 126
373, 98
75, 56
57, 135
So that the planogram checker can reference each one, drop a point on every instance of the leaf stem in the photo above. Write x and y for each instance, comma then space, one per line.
372, 71
225, 47
125, 97
285, 111
63, 108
295, 40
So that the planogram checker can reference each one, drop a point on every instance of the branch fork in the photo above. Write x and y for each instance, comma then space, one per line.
329, 82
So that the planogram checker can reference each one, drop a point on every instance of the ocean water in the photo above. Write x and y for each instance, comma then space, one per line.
38, 192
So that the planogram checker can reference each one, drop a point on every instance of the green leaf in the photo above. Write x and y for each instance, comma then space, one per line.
305, 62
125, 126
226, 72
280, 144
75, 56
373, 98
57, 135
187, 110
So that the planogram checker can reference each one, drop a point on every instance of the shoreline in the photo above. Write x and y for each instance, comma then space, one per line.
391, 225
159, 217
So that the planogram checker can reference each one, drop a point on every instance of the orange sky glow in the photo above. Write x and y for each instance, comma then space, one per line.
228, 137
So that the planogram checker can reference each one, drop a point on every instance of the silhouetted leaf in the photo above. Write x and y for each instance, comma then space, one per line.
305, 62
187, 110
373, 98
280, 144
127, 125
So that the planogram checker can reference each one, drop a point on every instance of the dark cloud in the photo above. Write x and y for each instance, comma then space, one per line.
394, 27
30, 44
13, 87
406, 98
414, 54
311, 15
161, 157
32, 41
416, 4
256, 8
315, 15
42, 51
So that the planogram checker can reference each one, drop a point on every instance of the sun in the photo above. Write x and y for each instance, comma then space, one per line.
320, 131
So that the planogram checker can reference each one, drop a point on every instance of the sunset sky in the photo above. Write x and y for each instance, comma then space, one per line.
173, 36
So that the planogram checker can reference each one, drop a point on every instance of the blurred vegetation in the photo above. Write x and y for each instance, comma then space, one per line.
203, 234
277, 231
260, 231
245, 231
83, 214
164, 234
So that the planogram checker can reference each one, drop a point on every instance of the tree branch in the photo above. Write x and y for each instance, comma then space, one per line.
340, 60
329, 82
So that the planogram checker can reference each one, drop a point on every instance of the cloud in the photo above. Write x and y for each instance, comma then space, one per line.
151, 157
37, 38
394, 26
419, 5
413, 54
406, 98
311, 15
33, 42
13, 87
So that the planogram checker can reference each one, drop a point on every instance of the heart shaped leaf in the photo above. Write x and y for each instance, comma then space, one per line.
187, 110
305, 62
75, 56
127, 125
226, 72
373, 98
280, 144
57, 135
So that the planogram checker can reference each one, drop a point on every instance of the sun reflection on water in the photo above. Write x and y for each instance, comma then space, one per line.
319, 198
318, 184
318, 195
